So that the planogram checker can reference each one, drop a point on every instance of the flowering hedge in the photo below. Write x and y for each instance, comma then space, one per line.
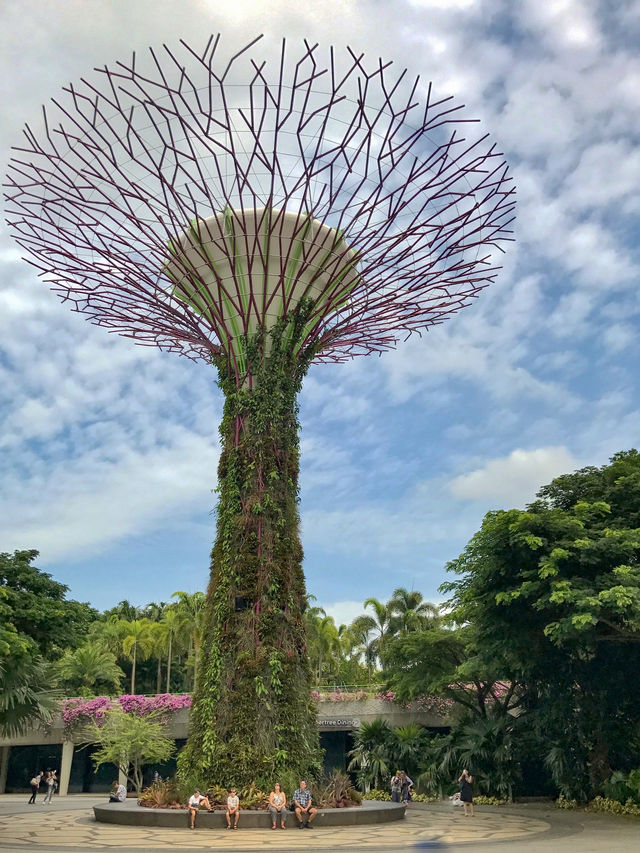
430, 704
434, 704
79, 712
341, 696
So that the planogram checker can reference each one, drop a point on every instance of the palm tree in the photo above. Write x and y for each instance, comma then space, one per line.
89, 667
137, 643
325, 650
486, 743
123, 610
25, 692
108, 634
407, 746
153, 611
370, 756
409, 612
364, 642
191, 607
161, 638
174, 620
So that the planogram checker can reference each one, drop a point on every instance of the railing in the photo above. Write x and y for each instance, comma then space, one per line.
348, 688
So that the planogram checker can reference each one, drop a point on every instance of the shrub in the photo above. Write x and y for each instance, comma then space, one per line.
377, 794
623, 787
336, 791
251, 797
603, 804
161, 794
490, 801
564, 803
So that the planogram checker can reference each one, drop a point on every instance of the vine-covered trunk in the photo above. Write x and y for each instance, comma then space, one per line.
252, 717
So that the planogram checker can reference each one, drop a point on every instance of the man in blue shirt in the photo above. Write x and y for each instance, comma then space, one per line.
305, 811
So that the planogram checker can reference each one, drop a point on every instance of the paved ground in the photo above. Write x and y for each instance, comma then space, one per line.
67, 826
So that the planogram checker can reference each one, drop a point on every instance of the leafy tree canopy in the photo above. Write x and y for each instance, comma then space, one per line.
553, 595
565, 572
37, 606
130, 741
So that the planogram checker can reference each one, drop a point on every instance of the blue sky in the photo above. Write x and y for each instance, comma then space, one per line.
108, 451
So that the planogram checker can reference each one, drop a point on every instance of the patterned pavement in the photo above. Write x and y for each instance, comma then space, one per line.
70, 825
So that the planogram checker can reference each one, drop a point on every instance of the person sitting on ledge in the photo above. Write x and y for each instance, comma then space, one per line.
277, 806
195, 801
118, 793
305, 811
233, 808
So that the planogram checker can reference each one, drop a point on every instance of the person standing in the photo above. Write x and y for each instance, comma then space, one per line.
303, 805
396, 787
277, 806
50, 781
233, 808
407, 784
35, 785
466, 791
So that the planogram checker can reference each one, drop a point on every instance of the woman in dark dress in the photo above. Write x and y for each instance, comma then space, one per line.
466, 791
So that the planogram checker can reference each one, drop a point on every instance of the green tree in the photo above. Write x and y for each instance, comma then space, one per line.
487, 746
129, 741
371, 754
553, 594
375, 628
408, 611
108, 634
26, 696
89, 670
191, 609
38, 608
446, 662
173, 619
123, 610
325, 649
406, 748
137, 643
363, 643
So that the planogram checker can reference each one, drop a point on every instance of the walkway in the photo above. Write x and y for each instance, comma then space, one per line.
67, 826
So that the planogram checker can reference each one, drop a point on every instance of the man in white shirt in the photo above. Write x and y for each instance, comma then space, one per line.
195, 801
118, 793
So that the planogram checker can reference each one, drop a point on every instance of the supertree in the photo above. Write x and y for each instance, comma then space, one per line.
259, 217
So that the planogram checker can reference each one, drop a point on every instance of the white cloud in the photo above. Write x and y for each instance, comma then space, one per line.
343, 612
619, 336
514, 479
78, 509
563, 24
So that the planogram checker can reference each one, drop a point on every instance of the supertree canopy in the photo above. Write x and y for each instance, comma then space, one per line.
258, 216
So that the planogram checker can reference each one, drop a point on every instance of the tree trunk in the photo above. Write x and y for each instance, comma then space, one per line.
169, 663
158, 676
133, 670
252, 715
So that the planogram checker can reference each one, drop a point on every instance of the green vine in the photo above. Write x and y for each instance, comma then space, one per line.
252, 717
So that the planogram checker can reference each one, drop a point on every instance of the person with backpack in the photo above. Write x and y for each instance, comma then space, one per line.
35, 785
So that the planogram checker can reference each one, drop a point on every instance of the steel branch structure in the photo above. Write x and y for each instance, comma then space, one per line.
259, 218
139, 159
